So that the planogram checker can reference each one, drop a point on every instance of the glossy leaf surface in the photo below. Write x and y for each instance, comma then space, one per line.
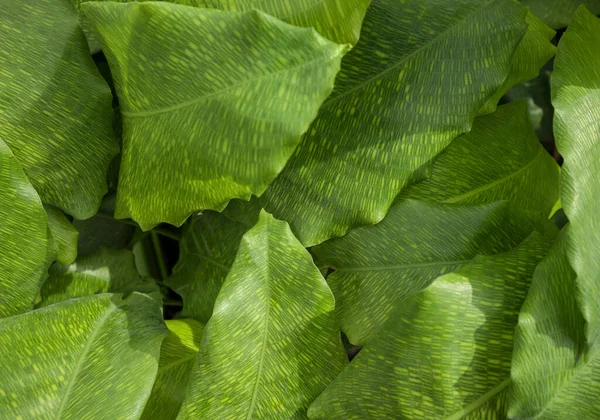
271, 346
415, 80
378, 267
445, 352
55, 107
74, 359
241, 90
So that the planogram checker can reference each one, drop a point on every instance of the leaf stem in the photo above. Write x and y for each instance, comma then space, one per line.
173, 303
163, 232
160, 258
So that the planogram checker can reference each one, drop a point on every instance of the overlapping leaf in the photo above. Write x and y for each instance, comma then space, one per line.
106, 270
94, 357
271, 346
26, 244
55, 108
500, 159
414, 82
241, 89
178, 354
558, 13
445, 352
556, 365
377, 267
64, 234
208, 248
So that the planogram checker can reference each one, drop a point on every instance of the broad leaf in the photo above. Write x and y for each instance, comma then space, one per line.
556, 365
178, 354
377, 267
104, 271
94, 357
208, 248
241, 89
413, 83
64, 234
445, 352
271, 346
558, 13
26, 245
500, 159
55, 107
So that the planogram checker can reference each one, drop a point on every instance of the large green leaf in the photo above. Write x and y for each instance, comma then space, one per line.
445, 352
377, 267
558, 13
414, 82
94, 357
500, 159
106, 270
556, 365
228, 116
26, 244
208, 248
178, 354
64, 234
55, 107
271, 346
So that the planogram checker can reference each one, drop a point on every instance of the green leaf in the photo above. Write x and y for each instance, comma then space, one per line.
500, 159
64, 234
556, 363
558, 13
445, 352
55, 107
26, 244
378, 267
241, 89
271, 346
94, 357
106, 270
208, 248
534, 50
413, 83
178, 354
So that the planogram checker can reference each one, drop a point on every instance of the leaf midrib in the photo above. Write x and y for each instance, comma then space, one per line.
400, 266
78, 367
480, 401
407, 57
495, 183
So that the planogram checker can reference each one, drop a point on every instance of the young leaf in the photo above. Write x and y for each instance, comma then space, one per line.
445, 352
500, 159
558, 13
556, 364
93, 357
378, 267
220, 103
64, 234
178, 354
271, 346
413, 83
26, 244
106, 270
55, 107
208, 248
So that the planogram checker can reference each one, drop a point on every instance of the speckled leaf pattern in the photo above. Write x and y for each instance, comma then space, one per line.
241, 90
534, 50
178, 354
106, 270
64, 234
94, 357
558, 13
208, 248
377, 267
26, 245
445, 352
500, 159
55, 107
271, 346
556, 366
414, 82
